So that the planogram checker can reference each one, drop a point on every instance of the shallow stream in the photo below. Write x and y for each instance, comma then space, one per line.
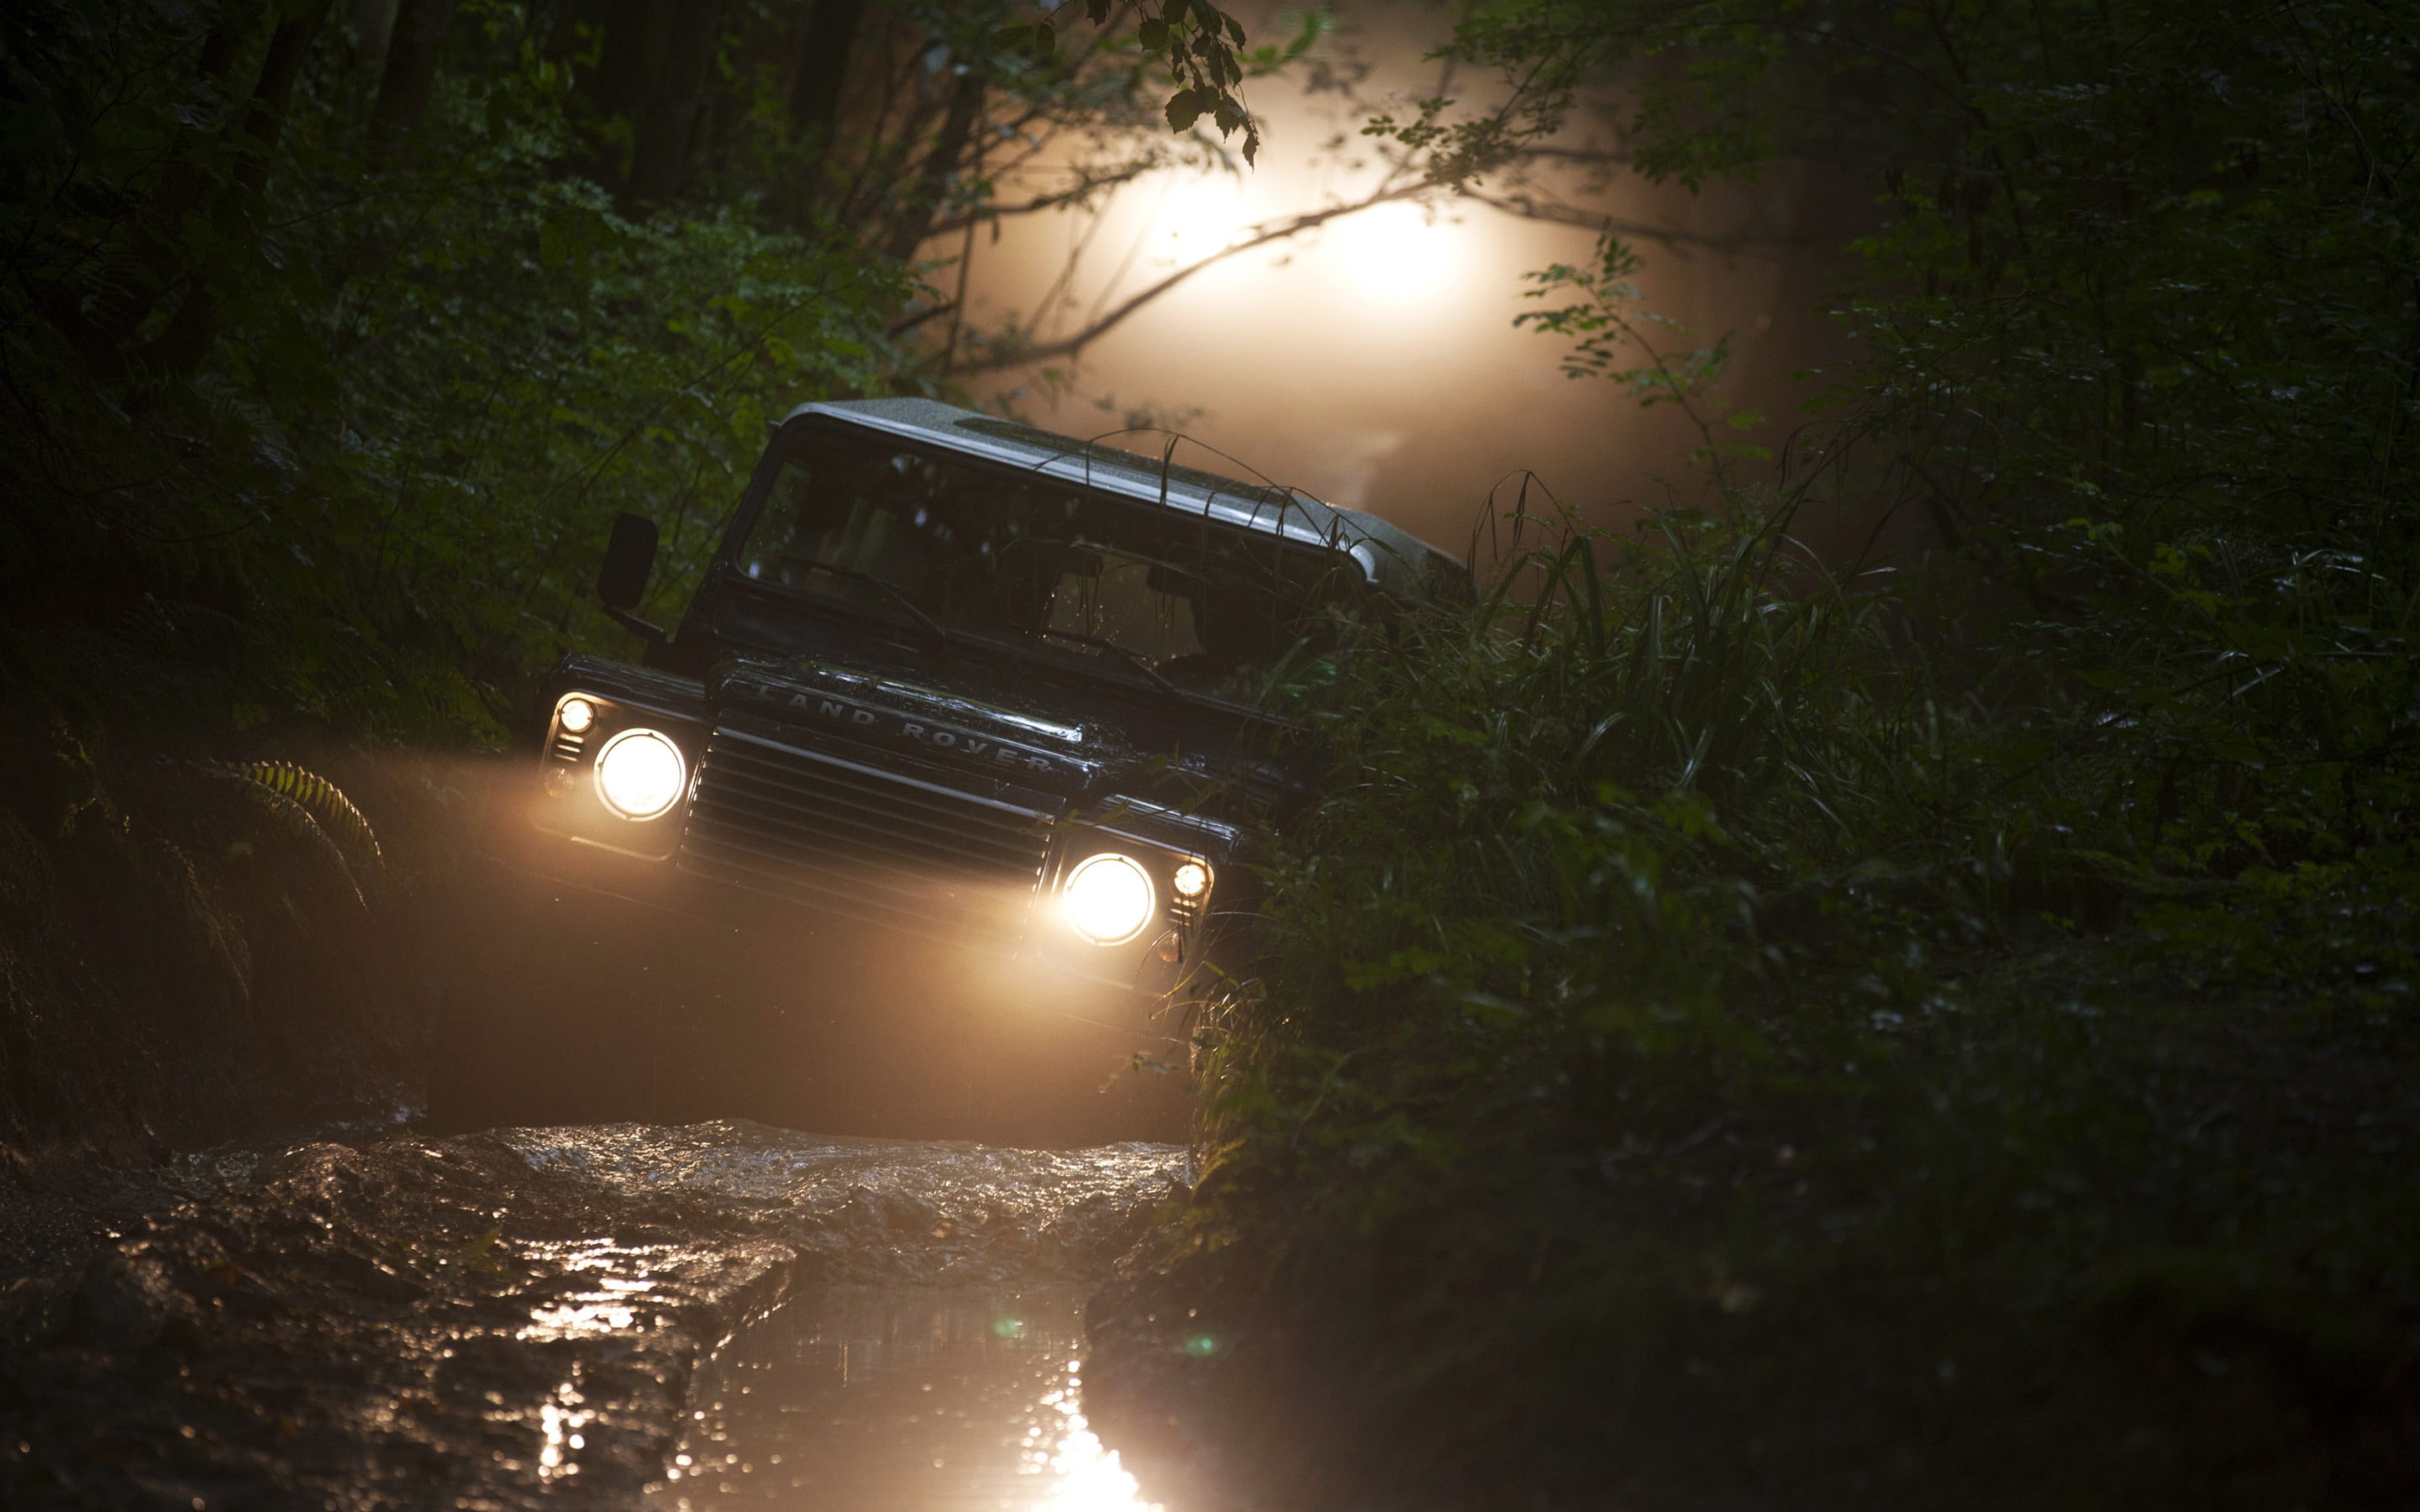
902, 1400
705, 1316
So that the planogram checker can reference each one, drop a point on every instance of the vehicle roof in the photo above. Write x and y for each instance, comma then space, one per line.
1394, 559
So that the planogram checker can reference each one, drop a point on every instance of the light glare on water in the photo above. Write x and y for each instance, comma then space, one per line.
883, 1399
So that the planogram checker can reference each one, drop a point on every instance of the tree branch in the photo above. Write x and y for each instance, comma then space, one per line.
1554, 213
1263, 235
1043, 201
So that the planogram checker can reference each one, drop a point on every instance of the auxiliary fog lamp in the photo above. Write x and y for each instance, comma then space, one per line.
1108, 898
640, 774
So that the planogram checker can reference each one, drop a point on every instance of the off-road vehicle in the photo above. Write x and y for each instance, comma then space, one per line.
956, 703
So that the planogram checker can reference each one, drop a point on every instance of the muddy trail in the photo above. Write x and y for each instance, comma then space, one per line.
704, 1315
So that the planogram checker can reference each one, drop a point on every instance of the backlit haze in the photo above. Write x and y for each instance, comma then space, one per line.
1373, 362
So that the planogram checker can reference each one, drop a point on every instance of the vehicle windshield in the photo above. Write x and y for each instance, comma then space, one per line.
900, 533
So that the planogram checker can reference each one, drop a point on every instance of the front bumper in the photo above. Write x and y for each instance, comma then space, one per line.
782, 833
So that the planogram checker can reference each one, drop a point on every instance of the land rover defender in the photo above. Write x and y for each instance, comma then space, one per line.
949, 688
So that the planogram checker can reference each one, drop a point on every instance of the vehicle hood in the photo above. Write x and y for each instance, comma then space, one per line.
1034, 741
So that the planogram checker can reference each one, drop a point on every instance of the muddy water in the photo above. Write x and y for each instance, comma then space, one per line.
712, 1315
892, 1399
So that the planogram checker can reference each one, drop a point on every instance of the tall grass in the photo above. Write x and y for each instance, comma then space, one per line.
1676, 1024
1575, 819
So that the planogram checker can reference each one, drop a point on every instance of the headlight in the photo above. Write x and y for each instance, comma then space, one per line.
1191, 880
577, 715
640, 774
1107, 899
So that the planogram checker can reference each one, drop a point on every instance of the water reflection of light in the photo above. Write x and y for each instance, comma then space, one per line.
576, 1319
1087, 1475
612, 1307
890, 1398
583, 1313
559, 1436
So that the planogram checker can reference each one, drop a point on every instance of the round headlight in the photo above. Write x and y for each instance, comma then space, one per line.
577, 715
640, 774
1192, 879
1107, 899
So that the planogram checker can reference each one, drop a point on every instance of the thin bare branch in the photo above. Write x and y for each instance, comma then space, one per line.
1263, 235
1084, 189
1555, 212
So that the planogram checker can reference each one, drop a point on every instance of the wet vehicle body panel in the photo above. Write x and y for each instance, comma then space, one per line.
954, 687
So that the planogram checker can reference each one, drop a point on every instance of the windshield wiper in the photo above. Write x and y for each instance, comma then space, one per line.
1114, 649
898, 595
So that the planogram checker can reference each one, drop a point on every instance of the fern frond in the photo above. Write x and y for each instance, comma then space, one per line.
323, 803
296, 821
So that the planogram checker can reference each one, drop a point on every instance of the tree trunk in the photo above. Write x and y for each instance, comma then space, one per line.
625, 74
914, 220
373, 22
823, 68
659, 162
409, 76
818, 74
184, 187
191, 332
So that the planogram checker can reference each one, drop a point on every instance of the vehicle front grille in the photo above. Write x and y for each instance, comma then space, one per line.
855, 839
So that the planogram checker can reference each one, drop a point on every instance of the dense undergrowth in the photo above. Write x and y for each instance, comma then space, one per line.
313, 410
1697, 1061
1933, 1031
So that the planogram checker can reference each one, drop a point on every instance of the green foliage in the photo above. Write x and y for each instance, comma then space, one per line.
1608, 317
1573, 817
1201, 48
432, 378
307, 800
1674, 1018
2137, 310
315, 405
2148, 332
1717, 1000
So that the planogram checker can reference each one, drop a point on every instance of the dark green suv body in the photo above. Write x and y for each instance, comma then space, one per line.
952, 683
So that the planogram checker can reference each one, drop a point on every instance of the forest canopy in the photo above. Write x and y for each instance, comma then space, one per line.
335, 335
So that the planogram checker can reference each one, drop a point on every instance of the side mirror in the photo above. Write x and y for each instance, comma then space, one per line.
630, 559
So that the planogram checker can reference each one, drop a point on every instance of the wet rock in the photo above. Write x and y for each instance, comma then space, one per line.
126, 1298
34, 1309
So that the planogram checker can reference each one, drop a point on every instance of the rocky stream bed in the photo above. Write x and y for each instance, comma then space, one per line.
704, 1316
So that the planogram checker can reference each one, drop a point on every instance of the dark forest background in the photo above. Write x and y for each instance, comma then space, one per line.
1925, 1022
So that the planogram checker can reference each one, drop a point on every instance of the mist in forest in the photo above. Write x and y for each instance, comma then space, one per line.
1374, 361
